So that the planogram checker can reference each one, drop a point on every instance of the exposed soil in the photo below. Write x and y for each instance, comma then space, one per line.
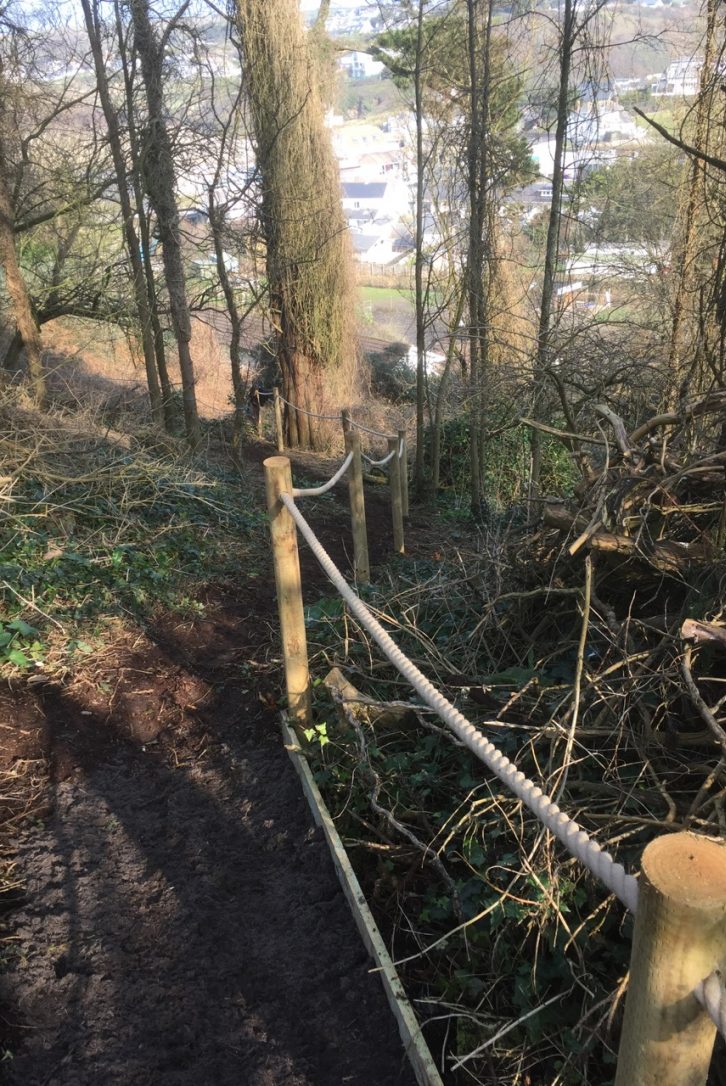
180, 919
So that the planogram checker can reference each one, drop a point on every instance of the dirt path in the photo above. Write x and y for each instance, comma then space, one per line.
181, 920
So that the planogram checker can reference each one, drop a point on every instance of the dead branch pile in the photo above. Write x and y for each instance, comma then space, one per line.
651, 519
591, 647
658, 499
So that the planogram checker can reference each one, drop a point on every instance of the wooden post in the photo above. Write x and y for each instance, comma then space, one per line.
394, 477
404, 471
278, 480
680, 938
345, 419
278, 421
357, 508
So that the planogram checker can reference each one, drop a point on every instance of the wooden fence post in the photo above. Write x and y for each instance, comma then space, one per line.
280, 433
404, 471
679, 939
394, 477
345, 419
357, 508
278, 480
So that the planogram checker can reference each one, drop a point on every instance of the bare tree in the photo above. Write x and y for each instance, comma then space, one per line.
159, 179
93, 29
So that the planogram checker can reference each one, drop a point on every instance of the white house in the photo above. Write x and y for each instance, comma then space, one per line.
595, 137
358, 65
389, 199
680, 79
364, 195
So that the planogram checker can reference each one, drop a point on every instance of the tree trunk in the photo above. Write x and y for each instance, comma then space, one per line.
308, 252
686, 254
479, 40
418, 471
440, 394
130, 236
158, 170
167, 392
553, 236
234, 317
16, 286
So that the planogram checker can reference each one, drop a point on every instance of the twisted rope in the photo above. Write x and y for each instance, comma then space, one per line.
375, 433
575, 839
312, 414
378, 463
312, 491
711, 994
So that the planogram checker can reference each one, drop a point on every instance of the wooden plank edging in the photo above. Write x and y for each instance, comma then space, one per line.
408, 1027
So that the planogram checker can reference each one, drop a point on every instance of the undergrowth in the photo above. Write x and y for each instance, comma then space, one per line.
94, 524
515, 956
100, 530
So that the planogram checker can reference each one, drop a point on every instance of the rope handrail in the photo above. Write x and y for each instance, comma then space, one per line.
312, 414
367, 430
382, 463
711, 994
313, 491
378, 463
565, 829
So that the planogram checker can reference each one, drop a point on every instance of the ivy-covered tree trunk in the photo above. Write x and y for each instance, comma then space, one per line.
15, 284
308, 256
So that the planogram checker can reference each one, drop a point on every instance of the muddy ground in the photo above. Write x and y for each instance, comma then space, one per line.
179, 920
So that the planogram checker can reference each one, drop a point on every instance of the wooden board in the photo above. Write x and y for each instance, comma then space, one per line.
408, 1027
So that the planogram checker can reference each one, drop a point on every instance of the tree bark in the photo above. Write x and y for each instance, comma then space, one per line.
479, 39
567, 42
16, 286
158, 171
308, 252
167, 392
418, 472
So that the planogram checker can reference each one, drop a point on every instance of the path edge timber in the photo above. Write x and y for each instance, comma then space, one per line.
414, 1044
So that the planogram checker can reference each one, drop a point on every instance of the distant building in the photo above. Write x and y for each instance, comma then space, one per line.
681, 78
358, 65
595, 137
364, 195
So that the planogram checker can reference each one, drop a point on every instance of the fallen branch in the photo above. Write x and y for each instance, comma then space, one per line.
700, 704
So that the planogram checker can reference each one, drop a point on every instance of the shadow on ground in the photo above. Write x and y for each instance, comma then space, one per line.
182, 921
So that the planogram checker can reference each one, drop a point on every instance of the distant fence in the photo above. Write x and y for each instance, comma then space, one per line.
676, 999
373, 275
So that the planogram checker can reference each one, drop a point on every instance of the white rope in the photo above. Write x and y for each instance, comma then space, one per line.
575, 839
312, 414
312, 491
360, 426
379, 463
711, 994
